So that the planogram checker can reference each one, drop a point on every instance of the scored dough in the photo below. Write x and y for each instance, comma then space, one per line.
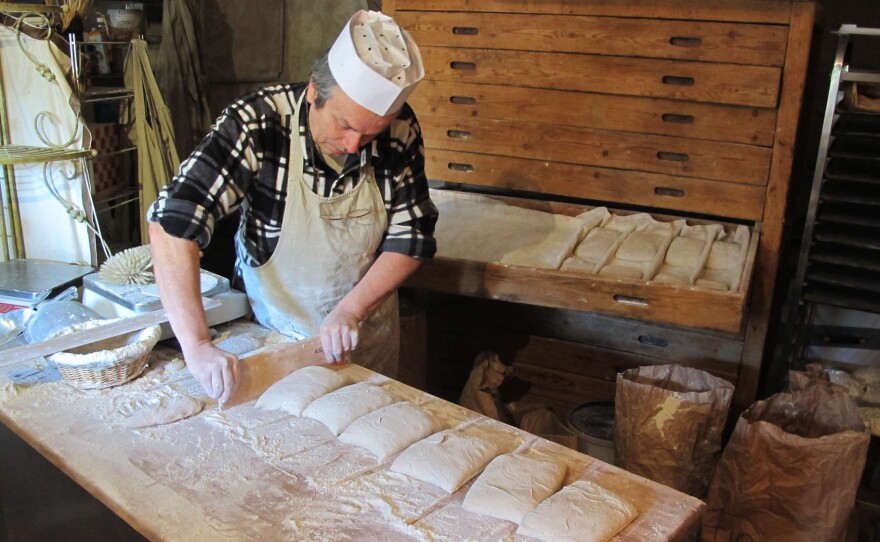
339, 408
600, 514
447, 459
294, 392
386, 431
512, 485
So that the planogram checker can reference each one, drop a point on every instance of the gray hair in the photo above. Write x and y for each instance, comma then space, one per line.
323, 80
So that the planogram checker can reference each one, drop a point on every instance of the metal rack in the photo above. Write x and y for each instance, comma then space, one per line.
839, 260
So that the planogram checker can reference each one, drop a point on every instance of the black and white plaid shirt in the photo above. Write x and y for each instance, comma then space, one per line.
243, 163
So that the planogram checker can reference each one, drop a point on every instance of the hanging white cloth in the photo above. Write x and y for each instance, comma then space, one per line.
49, 232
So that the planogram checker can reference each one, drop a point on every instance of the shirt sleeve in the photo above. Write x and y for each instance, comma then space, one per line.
211, 182
412, 215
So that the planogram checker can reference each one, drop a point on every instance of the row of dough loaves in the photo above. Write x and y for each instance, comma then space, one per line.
522, 487
596, 242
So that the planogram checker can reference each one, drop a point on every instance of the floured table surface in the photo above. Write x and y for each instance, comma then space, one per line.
246, 473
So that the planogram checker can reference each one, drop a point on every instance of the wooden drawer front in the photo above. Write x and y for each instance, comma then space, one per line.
756, 86
659, 303
682, 40
716, 198
733, 124
504, 324
758, 11
661, 154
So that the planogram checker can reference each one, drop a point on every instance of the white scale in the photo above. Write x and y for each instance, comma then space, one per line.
114, 301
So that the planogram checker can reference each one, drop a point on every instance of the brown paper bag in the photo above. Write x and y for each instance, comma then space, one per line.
480, 392
668, 424
790, 470
545, 423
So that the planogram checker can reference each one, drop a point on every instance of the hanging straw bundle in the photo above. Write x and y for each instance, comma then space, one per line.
71, 9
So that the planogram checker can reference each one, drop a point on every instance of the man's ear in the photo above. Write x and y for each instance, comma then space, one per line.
311, 93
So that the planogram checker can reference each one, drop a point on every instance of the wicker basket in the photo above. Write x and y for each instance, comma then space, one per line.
106, 363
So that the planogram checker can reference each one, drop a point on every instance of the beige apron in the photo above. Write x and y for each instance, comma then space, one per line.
325, 247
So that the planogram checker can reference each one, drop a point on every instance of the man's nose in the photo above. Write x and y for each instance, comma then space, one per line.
352, 142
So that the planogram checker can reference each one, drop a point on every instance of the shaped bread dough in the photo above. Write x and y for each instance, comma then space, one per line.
597, 243
339, 408
447, 459
600, 515
724, 256
685, 252
578, 265
163, 410
624, 269
512, 485
549, 252
640, 246
294, 392
392, 428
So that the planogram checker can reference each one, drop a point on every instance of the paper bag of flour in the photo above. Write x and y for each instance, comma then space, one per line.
790, 470
481, 391
668, 424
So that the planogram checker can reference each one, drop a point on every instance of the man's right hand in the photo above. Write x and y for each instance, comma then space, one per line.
214, 368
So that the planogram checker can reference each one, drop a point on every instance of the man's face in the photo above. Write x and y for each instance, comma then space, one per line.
342, 126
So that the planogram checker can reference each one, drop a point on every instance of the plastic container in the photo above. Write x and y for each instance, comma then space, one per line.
593, 424
53, 316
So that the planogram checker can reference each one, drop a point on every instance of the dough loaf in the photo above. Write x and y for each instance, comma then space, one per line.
390, 429
685, 252
597, 243
339, 408
580, 512
294, 392
724, 256
163, 410
447, 459
640, 246
512, 485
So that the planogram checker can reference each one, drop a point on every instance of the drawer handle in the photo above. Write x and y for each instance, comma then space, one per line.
465, 30
466, 66
677, 80
630, 300
680, 41
653, 341
455, 166
677, 119
463, 100
672, 192
673, 156
459, 134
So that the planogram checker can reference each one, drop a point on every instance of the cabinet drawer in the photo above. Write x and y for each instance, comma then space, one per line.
674, 39
756, 86
715, 198
649, 301
659, 154
759, 11
734, 124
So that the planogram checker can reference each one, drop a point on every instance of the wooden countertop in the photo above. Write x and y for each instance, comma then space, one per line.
244, 473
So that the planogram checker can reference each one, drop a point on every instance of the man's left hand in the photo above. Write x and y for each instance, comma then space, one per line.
339, 334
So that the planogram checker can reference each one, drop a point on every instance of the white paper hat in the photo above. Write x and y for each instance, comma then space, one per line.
375, 62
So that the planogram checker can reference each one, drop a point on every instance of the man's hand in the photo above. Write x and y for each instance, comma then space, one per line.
215, 369
339, 333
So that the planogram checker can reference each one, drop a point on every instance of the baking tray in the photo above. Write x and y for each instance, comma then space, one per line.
24, 279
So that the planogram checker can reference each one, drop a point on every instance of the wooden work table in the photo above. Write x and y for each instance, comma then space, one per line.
245, 473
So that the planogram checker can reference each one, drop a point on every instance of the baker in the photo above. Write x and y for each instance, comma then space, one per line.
336, 214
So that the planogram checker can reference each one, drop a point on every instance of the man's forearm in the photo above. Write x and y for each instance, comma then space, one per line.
386, 274
177, 269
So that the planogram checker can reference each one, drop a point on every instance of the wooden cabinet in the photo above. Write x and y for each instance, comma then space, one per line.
682, 109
